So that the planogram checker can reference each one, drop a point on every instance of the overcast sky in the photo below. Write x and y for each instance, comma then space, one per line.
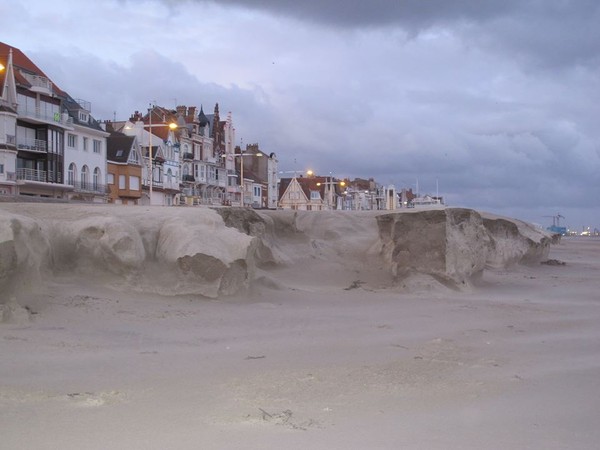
498, 102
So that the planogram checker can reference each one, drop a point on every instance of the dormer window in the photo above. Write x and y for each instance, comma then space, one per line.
83, 117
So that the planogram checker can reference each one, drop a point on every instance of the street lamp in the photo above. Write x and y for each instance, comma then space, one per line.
171, 126
329, 186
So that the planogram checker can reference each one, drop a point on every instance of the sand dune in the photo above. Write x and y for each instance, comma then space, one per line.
153, 328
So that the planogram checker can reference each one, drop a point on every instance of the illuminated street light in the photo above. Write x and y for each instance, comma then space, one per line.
329, 187
172, 126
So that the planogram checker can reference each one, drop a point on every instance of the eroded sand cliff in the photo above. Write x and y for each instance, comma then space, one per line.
216, 252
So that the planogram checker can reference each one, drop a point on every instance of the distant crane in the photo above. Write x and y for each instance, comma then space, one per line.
556, 219
556, 228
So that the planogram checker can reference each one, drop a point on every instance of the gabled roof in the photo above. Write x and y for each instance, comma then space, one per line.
118, 147
308, 184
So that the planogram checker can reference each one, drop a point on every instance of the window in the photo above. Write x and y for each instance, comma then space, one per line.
85, 143
49, 111
110, 178
85, 176
83, 117
26, 103
71, 174
97, 146
134, 157
134, 183
257, 191
1, 168
122, 180
97, 176
314, 195
72, 141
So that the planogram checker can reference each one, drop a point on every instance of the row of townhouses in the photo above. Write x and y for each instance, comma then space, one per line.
51, 146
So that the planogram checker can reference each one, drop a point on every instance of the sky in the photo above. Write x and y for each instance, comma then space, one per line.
495, 105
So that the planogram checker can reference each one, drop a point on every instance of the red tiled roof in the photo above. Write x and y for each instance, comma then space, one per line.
21, 61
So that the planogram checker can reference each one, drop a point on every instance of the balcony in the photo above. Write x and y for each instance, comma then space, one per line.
32, 145
41, 176
38, 83
171, 185
188, 178
38, 116
188, 156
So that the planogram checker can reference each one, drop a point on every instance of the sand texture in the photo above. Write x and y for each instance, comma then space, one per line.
189, 328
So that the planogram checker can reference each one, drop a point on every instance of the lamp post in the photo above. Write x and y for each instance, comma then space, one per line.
329, 185
150, 125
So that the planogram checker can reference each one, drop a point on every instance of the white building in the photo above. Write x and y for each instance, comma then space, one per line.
50, 145
85, 154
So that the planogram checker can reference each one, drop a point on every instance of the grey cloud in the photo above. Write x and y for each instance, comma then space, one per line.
412, 14
552, 33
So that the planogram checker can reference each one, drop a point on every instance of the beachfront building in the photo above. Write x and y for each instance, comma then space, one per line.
204, 175
260, 176
364, 194
160, 154
124, 167
85, 154
312, 193
48, 133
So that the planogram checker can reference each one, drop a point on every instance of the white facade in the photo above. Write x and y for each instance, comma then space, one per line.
8, 156
85, 163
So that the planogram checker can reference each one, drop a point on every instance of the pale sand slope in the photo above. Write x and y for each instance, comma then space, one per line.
310, 360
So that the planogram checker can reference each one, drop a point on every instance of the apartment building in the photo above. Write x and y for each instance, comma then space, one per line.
50, 144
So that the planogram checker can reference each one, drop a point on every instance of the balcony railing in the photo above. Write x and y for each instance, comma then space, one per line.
37, 82
188, 156
39, 175
173, 184
11, 139
62, 119
87, 186
189, 178
32, 145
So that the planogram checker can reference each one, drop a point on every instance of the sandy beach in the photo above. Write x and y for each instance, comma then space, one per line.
315, 358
